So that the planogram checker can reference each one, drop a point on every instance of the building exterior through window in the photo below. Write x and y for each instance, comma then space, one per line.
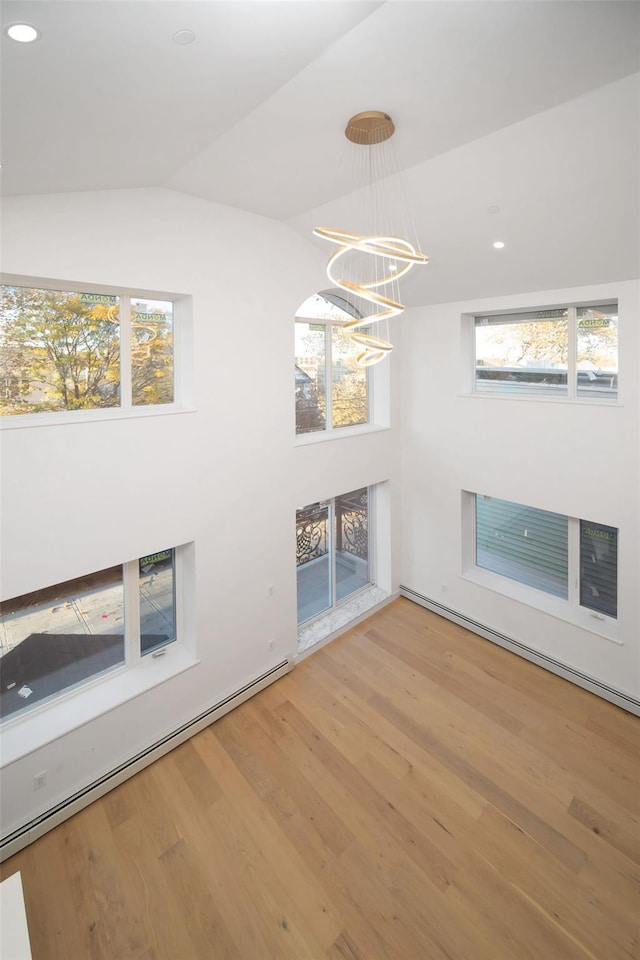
60, 637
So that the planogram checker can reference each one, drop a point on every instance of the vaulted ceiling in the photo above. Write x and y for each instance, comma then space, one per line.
528, 107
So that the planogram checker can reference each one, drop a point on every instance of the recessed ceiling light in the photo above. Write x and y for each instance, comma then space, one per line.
22, 32
498, 245
184, 36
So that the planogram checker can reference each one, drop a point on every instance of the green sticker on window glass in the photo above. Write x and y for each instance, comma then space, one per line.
155, 558
97, 298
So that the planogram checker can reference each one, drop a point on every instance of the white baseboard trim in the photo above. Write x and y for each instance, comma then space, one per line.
620, 699
52, 818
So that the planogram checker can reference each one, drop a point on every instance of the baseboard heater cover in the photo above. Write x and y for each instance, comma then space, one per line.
515, 646
57, 814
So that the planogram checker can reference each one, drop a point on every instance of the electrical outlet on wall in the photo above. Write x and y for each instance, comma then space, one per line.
40, 780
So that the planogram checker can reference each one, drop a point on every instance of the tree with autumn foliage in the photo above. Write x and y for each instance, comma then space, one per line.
151, 357
57, 351
512, 343
546, 342
61, 351
349, 400
597, 344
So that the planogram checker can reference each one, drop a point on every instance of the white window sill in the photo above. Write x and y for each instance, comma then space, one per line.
340, 433
581, 617
60, 418
535, 398
25, 732
330, 623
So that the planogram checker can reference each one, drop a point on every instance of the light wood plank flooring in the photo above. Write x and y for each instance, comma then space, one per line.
410, 792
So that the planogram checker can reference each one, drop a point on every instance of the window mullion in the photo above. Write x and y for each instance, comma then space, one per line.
573, 561
572, 351
372, 518
131, 579
370, 396
328, 375
126, 399
178, 353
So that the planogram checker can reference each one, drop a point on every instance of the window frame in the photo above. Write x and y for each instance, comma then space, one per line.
126, 409
572, 395
329, 428
138, 668
330, 503
569, 610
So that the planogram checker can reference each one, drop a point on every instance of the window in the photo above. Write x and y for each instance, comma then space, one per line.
575, 560
55, 639
562, 352
156, 576
522, 543
332, 557
332, 391
84, 350
599, 568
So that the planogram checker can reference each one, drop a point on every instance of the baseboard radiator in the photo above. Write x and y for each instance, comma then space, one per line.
62, 811
515, 646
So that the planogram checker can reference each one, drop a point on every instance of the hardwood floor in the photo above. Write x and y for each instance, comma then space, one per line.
410, 792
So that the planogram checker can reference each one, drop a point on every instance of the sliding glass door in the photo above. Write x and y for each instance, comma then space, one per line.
332, 540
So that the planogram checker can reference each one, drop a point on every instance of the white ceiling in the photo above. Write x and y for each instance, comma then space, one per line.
532, 107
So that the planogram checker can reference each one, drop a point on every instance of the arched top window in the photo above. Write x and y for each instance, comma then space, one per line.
332, 391
328, 305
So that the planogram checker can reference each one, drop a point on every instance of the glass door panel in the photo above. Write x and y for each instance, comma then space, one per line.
352, 542
313, 560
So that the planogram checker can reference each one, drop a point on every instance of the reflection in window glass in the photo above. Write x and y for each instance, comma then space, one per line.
151, 351
523, 544
599, 568
157, 600
522, 353
59, 350
56, 638
597, 351
310, 365
531, 546
313, 560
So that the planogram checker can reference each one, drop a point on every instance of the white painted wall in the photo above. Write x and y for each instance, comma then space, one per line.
77, 498
229, 476
578, 459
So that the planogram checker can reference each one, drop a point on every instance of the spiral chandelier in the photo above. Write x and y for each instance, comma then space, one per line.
367, 265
